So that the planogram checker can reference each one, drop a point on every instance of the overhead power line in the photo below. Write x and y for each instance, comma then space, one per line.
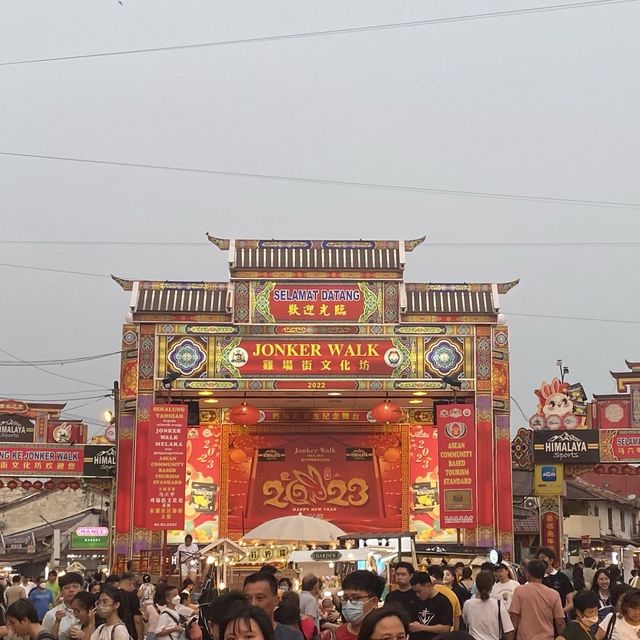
336, 183
581, 318
61, 362
329, 32
52, 373
32, 268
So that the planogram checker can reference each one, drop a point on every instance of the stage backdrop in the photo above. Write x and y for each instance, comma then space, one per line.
356, 478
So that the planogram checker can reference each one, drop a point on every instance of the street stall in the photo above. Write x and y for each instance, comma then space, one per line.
332, 565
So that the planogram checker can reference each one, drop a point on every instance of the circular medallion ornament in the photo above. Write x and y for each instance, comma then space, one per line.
554, 422
614, 413
392, 357
537, 422
187, 356
570, 421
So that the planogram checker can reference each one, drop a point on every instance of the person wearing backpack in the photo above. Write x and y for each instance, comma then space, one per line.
169, 626
108, 608
22, 617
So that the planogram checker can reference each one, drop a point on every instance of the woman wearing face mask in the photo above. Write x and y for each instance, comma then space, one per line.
600, 586
169, 626
285, 585
585, 605
624, 625
108, 609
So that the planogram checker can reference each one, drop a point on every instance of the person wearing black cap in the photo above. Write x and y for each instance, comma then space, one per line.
59, 620
505, 586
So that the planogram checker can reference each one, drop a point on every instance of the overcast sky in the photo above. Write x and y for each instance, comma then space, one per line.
538, 104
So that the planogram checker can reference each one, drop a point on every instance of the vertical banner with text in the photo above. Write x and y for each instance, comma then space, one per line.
167, 466
457, 465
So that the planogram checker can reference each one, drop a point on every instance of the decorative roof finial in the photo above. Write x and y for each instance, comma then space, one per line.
221, 243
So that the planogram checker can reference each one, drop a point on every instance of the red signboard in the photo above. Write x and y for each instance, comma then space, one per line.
35, 460
550, 514
309, 302
620, 445
202, 486
66, 432
355, 480
354, 358
457, 465
167, 466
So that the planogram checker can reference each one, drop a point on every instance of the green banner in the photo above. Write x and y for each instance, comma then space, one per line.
80, 543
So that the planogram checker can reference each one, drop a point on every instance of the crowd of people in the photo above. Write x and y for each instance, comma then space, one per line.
537, 602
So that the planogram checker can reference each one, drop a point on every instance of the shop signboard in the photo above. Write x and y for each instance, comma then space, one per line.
332, 358
100, 460
89, 538
167, 466
551, 523
41, 460
548, 479
66, 431
580, 446
15, 428
620, 445
457, 465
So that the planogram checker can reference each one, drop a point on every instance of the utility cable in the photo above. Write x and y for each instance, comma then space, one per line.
329, 32
57, 375
335, 183
59, 362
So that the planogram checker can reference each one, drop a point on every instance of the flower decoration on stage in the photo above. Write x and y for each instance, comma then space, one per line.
187, 356
244, 414
387, 412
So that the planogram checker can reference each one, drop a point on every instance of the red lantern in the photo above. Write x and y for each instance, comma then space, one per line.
75, 485
599, 468
387, 412
27, 484
244, 414
37, 485
12, 484
614, 470
50, 485
62, 485
1, 484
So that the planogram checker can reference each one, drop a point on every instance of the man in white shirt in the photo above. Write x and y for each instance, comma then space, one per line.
188, 556
504, 588
28, 584
309, 598
63, 616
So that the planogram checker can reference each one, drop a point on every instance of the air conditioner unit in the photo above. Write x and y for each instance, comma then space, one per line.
531, 503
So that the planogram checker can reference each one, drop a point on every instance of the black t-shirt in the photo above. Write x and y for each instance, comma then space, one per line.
405, 600
436, 610
129, 607
575, 631
560, 583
